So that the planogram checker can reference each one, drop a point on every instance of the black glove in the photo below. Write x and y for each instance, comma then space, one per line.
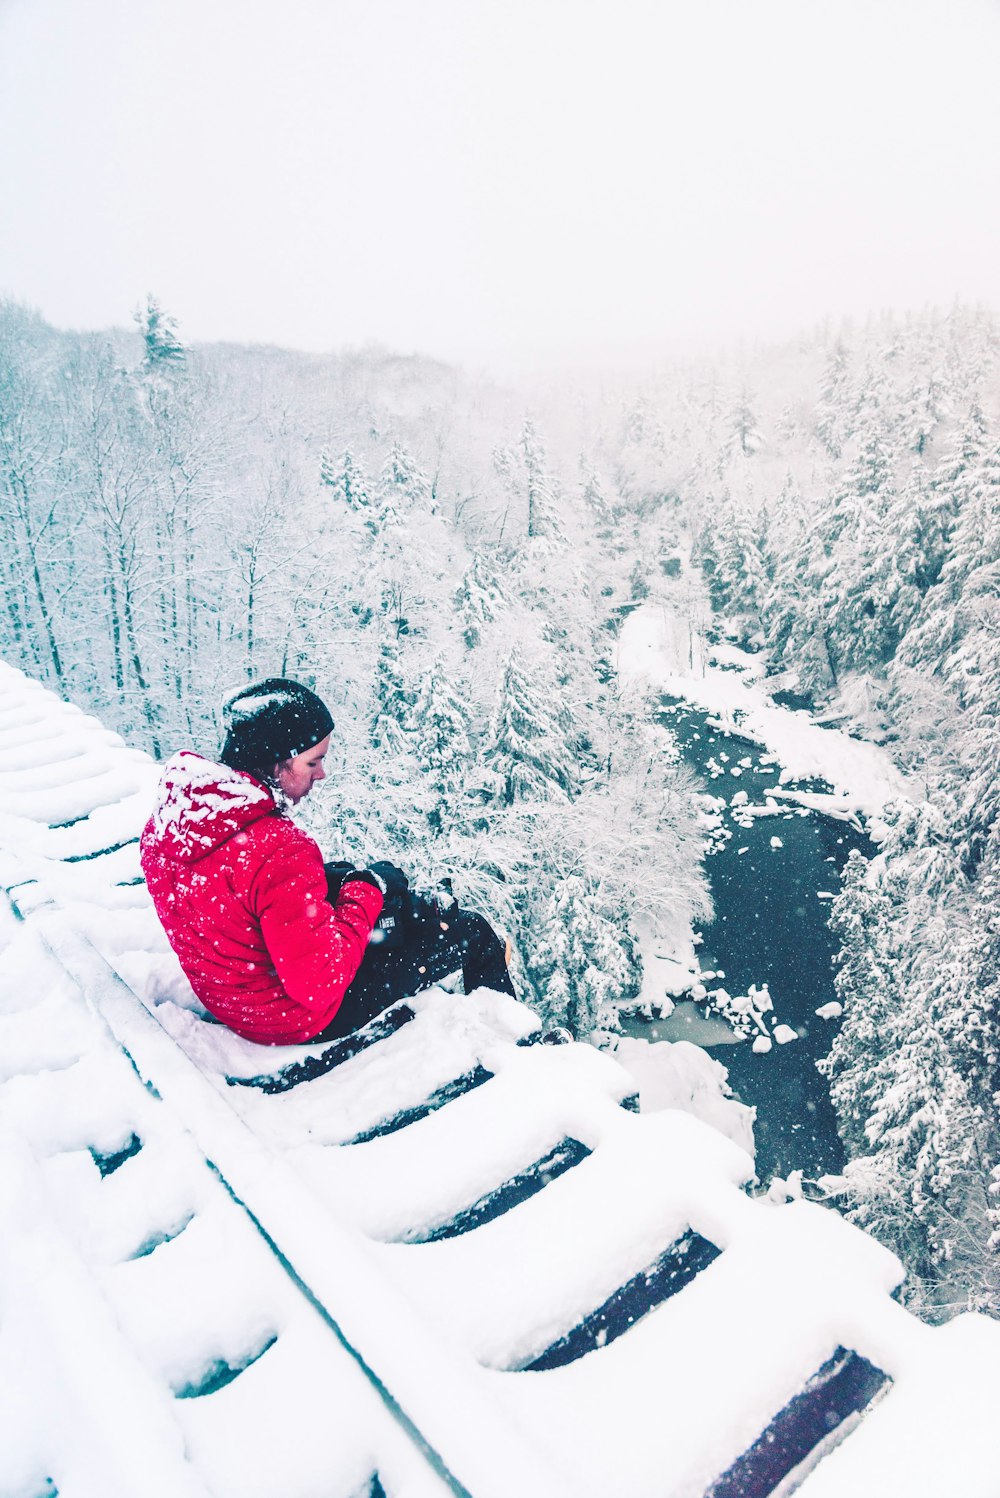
340, 873
336, 873
389, 928
395, 881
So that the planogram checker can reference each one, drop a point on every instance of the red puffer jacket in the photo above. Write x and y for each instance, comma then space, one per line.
241, 893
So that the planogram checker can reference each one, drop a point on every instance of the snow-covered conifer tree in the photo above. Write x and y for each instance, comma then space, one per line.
346, 478
834, 400
528, 743
595, 497
544, 521
739, 582
912, 1068
411, 561
392, 696
523, 470
440, 721
162, 346
403, 484
746, 426
481, 597
582, 962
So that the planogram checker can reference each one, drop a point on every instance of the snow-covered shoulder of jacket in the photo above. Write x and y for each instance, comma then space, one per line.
201, 804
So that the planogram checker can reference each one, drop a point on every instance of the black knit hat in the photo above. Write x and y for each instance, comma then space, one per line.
272, 721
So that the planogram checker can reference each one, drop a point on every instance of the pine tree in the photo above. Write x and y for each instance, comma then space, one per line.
913, 1067
915, 544
967, 549
739, 582
596, 500
745, 426
834, 400
347, 480
403, 485
925, 406
481, 597
847, 562
396, 553
393, 699
528, 751
439, 722
522, 469
162, 347
544, 522
582, 962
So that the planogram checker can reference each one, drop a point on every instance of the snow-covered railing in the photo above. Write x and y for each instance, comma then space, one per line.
438, 1257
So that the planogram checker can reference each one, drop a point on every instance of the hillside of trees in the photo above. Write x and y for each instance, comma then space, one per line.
178, 521
445, 558
853, 526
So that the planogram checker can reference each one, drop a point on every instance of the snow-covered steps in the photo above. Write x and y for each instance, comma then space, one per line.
437, 1258
150, 1340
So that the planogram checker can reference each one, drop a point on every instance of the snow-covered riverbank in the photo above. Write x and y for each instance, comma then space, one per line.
658, 647
655, 647
792, 766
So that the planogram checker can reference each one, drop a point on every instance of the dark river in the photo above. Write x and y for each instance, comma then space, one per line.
770, 927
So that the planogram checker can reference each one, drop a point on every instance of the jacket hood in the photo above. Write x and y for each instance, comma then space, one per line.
201, 804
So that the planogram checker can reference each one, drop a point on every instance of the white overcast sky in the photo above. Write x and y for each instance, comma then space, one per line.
473, 178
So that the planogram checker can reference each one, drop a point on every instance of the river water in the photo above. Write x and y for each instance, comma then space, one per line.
771, 879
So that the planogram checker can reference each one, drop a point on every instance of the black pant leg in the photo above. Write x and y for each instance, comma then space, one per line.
452, 938
423, 949
484, 956
429, 945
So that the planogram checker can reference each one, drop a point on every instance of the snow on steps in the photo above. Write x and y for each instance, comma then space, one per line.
214, 1282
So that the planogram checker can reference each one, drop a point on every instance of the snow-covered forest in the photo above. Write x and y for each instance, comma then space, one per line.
446, 561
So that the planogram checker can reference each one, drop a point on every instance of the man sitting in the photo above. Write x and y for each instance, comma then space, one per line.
278, 946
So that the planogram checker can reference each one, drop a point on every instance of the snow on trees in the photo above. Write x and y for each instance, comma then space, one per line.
524, 472
36, 517
346, 477
528, 750
880, 549
161, 344
409, 560
745, 425
440, 722
481, 597
403, 485
580, 959
834, 399
392, 697
738, 583
171, 521
912, 1067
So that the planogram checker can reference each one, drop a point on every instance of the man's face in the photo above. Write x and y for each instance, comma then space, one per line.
298, 775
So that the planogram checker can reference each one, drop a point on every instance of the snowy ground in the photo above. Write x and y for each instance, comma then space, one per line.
211, 1289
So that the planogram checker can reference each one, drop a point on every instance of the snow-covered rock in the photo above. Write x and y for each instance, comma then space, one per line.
681, 1075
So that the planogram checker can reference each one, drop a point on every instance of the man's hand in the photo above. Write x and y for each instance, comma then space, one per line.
336, 873
395, 881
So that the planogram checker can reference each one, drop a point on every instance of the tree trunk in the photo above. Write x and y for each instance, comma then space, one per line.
114, 619
132, 644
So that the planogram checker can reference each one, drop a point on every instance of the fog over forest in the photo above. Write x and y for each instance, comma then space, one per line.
447, 560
